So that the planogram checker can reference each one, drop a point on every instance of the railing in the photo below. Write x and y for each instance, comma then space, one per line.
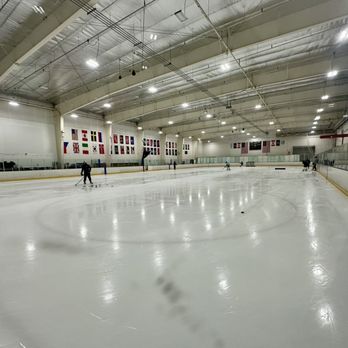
245, 159
26, 162
336, 157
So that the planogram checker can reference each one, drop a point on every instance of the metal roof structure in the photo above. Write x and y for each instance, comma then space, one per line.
218, 58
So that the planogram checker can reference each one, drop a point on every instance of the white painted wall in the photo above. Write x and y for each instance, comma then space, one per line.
27, 135
342, 130
225, 148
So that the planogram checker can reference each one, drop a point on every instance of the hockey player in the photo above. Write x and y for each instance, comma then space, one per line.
86, 172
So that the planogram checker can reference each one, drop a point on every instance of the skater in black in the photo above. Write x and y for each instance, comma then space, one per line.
174, 165
86, 172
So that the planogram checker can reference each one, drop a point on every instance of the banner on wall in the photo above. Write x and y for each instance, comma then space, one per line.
66, 143
266, 146
244, 148
74, 134
76, 147
84, 135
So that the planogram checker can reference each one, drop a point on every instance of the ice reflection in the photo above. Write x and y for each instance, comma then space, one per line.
108, 292
116, 246
162, 206
30, 250
320, 275
310, 218
314, 245
143, 214
254, 237
172, 218
158, 259
326, 315
83, 232
187, 239
115, 221
223, 283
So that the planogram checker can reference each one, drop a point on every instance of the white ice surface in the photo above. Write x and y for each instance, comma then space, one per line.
167, 260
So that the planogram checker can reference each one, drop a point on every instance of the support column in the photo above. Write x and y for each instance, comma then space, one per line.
163, 148
180, 141
59, 130
139, 145
108, 144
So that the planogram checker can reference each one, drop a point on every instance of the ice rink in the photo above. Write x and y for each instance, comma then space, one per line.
194, 258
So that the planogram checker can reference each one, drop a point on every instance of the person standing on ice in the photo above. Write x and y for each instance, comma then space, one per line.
86, 172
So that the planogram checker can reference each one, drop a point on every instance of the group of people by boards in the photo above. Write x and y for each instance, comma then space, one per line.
86, 171
307, 163
86, 168
228, 166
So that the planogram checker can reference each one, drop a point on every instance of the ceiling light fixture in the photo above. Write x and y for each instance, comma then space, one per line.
38, 10
190, 137
243, 130
170, 122
254, 136
140, 128
153, 37
160, 132
224, 67
345, 115
258, 106
248, 133
234, 127
221, 136
177, 135
107, 105
317, 118
203, 132
180, 16
314, 127
331, 105
271, 123
185, 105
312, 132
278, 130
343, 35
208, 115
13, 103
332, 73
320, 110
325, 97
92, 63
153, 89
315, 122
108, 122
223, 123
74, 116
